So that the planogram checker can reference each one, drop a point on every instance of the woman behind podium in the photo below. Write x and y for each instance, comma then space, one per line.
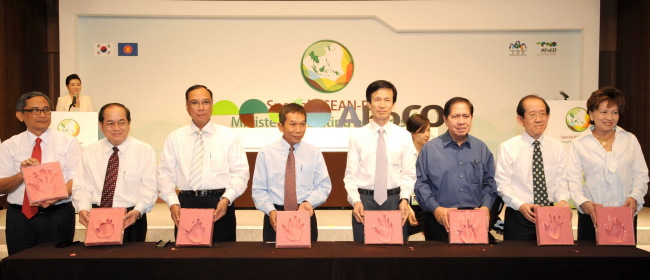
81, 102
609, 161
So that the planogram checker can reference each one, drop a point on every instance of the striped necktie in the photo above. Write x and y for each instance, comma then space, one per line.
196, 172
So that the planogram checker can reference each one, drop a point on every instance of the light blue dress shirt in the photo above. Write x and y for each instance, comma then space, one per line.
313, 182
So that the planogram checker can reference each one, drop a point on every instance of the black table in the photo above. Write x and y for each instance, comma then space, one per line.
329, 260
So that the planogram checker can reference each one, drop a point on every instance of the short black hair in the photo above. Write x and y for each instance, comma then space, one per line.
520, 107
447, 110
101, 111
71, 77
377, 85
187, 92
291, 108
22, 101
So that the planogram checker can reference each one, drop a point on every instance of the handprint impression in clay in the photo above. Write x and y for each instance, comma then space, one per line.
42, 179
105, 229
195, 233
553, 225
293, 231
384, 229
466, 231
615, 229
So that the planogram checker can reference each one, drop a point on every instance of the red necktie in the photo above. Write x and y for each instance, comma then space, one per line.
110, 179
30, 211
290, 199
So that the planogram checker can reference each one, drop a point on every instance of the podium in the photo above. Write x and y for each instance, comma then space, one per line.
82, 125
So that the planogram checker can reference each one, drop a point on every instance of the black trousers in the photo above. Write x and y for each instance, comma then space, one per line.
225, 229
586, 230
419, 215
369, 203
53, 224
268, 234
434, 231
517, 227
137, 232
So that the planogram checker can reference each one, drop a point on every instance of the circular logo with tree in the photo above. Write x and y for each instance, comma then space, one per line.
327, 66
69, 126
577, 119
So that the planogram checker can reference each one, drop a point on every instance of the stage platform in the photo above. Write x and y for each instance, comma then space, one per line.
333, 225
329, 260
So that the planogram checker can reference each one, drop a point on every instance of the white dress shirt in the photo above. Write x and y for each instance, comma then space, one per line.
514, 170
136, 178
225, 165
313, 182
85, 105
55, 146
362, 158
610, 177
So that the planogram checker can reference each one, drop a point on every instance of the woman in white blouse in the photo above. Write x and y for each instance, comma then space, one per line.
420, 128
82, 102
609, 161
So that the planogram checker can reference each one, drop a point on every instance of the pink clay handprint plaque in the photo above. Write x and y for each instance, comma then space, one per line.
195, 227
553, 225
105, 226
293, 229
383, 227
195, 233
44, 182
467, 227
615, 226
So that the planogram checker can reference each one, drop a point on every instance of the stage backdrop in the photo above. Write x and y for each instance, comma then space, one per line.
254, 55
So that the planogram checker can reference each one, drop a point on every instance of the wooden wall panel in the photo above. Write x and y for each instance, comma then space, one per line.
24, 56
633, 69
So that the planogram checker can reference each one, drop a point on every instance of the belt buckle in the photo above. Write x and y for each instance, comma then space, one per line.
201, 193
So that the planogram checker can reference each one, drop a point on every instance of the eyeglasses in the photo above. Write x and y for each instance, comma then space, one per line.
120, 124
196, 103
541, 115
36, 111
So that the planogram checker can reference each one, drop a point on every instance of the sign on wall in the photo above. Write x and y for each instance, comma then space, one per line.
568, 119
254, 64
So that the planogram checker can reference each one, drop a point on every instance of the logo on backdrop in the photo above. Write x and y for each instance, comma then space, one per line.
327, 66
547, 48
577, 119
69, 126
320, 113
517, 49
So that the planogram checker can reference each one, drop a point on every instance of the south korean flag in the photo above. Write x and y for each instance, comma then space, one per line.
103, 49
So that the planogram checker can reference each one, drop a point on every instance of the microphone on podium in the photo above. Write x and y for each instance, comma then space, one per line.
566, 96
74, 102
